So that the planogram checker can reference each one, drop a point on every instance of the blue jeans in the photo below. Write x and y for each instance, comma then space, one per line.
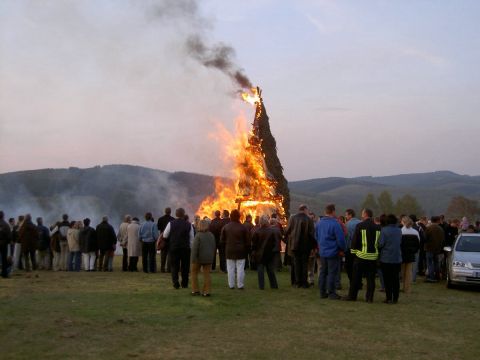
74, 260
432, 266
328, 275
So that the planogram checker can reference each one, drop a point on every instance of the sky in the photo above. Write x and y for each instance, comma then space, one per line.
352, 88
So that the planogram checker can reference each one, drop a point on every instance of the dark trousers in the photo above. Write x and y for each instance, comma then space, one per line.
222, 258
3, 255
125, 259
328, 275
149, 260
164, 260
391, 278
132, 263
29, 258
270, 267
300, 264
180, 261
74, 261
349, 258
361, 268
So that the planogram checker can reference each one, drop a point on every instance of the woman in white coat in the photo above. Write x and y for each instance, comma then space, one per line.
134, 246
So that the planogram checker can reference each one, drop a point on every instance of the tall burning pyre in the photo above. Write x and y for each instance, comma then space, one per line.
259, 186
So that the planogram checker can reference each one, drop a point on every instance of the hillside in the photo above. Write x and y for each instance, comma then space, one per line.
119, 189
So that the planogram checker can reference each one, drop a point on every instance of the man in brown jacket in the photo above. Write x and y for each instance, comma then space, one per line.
434, 241
301, 240
236, 240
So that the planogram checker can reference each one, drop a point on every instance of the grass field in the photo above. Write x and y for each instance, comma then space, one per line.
134, 315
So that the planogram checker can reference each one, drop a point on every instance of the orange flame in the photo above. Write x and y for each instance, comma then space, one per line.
252, 98
252, 190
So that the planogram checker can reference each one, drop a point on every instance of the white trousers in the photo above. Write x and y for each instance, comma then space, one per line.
237, 266
89, 260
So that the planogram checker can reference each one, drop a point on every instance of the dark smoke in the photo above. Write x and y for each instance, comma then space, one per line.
218, 56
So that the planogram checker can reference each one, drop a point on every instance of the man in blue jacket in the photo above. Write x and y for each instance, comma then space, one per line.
331, 243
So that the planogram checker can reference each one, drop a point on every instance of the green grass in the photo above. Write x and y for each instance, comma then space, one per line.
124, 315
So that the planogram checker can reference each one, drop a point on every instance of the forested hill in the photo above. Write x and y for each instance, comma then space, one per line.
119, 189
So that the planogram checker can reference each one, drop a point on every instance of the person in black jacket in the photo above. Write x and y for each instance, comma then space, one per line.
263, 246
5, 238
216, 226
179, 233
365, 248
410, 246
43, 248
87, 239
163, 221
106, 240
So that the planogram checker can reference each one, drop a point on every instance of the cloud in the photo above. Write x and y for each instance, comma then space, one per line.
425, 56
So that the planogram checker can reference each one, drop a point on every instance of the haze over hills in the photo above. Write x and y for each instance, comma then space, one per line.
119, 189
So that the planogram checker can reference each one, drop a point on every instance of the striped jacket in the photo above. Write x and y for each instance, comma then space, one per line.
365, 240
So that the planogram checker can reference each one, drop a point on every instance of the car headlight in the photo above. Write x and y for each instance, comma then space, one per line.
459, 264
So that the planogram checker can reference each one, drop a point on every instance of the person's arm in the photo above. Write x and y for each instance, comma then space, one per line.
381, 241
195, 249
340, 236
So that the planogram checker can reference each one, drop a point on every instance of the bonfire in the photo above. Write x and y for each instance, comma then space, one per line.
257, 186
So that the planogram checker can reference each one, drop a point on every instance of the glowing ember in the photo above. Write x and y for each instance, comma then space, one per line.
253, 188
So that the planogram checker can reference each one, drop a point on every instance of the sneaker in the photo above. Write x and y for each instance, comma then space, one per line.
195, 293
205, 295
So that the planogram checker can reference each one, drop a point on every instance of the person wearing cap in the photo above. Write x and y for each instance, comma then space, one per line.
301, 241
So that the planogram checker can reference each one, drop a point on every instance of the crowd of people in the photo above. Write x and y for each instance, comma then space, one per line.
394, 249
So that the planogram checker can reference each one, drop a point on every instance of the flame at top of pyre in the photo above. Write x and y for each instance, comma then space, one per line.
258, 186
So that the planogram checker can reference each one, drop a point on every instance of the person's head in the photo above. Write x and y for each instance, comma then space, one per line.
78, 225
168, 211
470, 229
423, 220
391, 219
2, 215
349, 214
455, 223
330, 210
39, 221
442, 218
226, 214
274, 215
148, 216
86, 222
257, 220
11, 221
72, 223
180, 213
248, 218
127, 218
303, 209
367, 214
342, 219
28, 218
65, 217
264, 221
435, 219
196, 221
274, 221
217, 214
413, 217
21, 218
203, 225
407, 222
135, 219
235, 215
105, 218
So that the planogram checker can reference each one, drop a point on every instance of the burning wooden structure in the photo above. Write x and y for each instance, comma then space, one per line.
259, 186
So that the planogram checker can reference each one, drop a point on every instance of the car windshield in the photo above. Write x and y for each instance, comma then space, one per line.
468, 244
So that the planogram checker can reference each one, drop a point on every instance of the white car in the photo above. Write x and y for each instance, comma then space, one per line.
463, 265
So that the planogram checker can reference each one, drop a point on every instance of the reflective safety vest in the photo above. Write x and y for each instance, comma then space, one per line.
364, 252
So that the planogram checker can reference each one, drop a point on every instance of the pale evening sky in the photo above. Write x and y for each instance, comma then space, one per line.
352, 88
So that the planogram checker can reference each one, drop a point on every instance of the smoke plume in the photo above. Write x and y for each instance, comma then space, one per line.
218, 56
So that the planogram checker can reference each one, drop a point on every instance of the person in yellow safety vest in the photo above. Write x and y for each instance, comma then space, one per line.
365, 249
